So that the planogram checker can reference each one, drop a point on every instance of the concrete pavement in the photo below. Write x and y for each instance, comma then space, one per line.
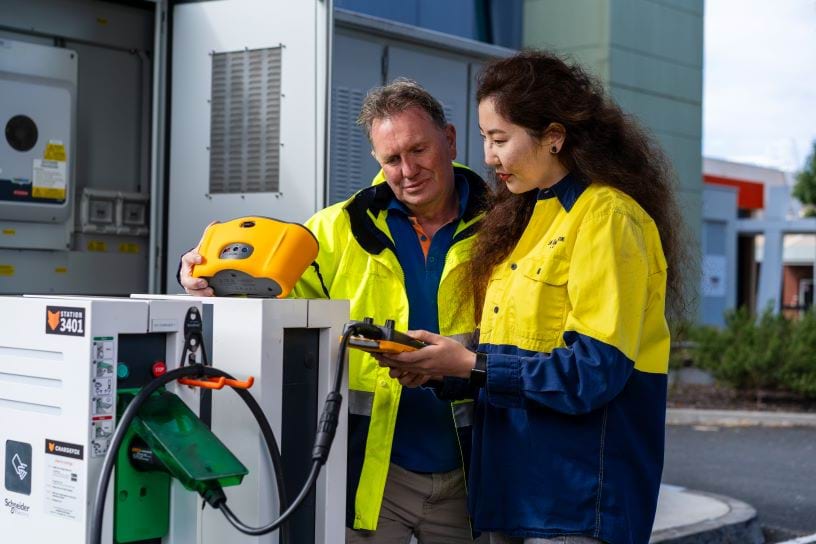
692, 517
686, 516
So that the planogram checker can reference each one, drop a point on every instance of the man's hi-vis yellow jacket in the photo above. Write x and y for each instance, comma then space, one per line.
568, 432
357, 262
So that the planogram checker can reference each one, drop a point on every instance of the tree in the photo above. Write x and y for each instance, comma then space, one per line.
805, 187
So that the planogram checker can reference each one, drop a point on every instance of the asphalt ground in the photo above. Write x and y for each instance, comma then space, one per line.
771, 468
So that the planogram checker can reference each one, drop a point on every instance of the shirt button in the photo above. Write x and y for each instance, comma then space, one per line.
513, 266
431, 259
383, 383
495, 309
423, 238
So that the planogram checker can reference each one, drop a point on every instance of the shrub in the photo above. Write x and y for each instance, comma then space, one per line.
798, 368
768, 353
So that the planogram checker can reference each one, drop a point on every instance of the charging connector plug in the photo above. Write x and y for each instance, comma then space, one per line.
214, 496
327, 427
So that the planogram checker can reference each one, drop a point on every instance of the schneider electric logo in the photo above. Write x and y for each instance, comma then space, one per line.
17, 507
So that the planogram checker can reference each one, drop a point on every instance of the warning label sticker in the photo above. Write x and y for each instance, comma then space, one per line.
49, 179
54, 151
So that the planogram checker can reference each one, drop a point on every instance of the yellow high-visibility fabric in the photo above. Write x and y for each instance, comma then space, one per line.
374, 285
597, 269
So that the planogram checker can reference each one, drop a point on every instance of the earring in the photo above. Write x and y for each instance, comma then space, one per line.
554, 150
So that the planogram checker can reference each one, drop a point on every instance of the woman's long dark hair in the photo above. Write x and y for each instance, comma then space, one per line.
533, 89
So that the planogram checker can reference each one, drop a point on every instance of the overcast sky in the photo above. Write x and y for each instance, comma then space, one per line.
759, 90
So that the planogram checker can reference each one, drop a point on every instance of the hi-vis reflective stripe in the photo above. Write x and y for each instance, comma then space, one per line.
463, 414
360, 402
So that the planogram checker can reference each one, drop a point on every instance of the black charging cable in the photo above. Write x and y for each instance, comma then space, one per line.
326, 429
132, 409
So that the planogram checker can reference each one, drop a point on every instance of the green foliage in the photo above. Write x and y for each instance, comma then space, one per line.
805, 187
769, 353
798, 370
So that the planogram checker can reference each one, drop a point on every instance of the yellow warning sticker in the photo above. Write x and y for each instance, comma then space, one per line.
61, 270
9, 232
50, 179
53, 193
97, 245
54, 151
6, 270
129, 248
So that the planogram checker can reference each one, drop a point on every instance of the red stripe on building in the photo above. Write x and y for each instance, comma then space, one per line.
750, 194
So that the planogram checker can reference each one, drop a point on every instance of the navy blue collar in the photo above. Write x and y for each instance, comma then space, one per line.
567, 191
462, 189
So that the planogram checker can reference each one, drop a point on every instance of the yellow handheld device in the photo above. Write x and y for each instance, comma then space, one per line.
380, 338
255, 256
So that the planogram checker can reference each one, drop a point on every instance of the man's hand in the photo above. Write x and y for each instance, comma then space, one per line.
410, 379
194, 286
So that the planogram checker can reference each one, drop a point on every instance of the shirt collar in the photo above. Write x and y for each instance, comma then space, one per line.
567, 190
462, 189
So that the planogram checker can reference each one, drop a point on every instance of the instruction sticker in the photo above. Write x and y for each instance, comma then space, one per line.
63, 479
102, 432
49, 179
103, 403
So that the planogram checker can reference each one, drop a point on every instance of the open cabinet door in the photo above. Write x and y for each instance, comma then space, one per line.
249, 104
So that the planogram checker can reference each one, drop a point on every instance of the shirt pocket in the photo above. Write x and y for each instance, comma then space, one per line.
494, 298
541, 300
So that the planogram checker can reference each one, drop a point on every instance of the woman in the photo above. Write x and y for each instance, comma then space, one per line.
573, 264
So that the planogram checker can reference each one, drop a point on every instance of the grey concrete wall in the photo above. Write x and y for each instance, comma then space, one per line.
649, 54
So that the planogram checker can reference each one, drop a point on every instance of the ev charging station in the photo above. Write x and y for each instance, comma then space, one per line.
59, 362
67, 366
290, 346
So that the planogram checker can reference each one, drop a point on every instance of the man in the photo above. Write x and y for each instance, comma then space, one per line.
398, 250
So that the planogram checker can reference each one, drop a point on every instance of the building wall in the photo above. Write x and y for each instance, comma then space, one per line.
718, 288
649, 54
495, 22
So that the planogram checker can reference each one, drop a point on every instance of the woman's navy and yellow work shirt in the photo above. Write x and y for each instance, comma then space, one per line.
568, 432
358, 261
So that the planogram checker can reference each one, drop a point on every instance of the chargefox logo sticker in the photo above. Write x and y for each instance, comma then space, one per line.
64, 449
53, 319
63, 320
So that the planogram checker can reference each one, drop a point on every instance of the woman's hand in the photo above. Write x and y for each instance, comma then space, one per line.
441, 357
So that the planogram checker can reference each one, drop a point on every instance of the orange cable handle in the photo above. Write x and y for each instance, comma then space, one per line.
237, 384
214, 383
218, 383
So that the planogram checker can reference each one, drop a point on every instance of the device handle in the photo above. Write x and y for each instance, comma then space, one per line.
215, 383
218, 383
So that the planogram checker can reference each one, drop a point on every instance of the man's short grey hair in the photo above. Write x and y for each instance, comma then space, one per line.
396, 97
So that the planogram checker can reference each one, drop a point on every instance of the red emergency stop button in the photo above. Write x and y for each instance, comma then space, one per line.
159, 369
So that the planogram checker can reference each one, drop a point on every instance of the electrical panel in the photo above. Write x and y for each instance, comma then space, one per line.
38, 85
